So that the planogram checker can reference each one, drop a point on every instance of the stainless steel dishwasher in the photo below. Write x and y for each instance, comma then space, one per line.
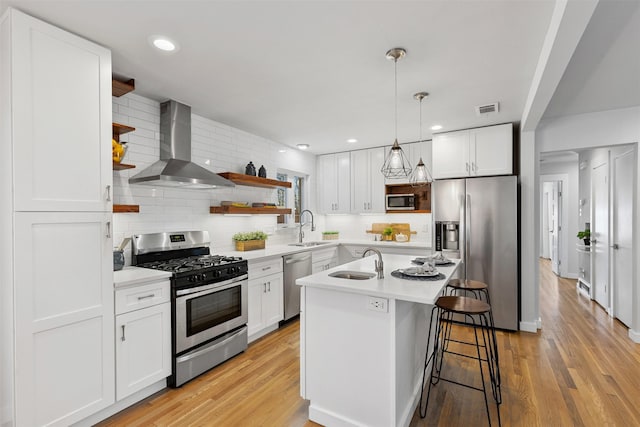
295, 266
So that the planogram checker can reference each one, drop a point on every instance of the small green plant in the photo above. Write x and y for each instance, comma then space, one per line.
330, 232
251, 235
388, 231
585, 234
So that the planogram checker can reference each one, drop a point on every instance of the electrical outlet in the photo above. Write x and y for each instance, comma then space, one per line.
378, 304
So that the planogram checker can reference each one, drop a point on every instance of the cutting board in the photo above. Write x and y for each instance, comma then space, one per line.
398, 228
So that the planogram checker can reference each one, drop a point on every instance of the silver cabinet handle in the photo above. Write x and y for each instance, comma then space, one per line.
146, 296
615, 246
269, 284
109, 229
264, 288
123, 337
108, 193
467, 166
266, 268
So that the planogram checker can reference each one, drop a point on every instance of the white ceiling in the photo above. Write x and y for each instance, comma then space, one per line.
315, 71
604, 71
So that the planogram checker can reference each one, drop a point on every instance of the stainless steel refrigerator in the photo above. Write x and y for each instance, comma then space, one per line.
476, 219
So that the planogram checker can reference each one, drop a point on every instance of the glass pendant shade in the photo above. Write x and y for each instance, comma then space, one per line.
396, 165
420, 175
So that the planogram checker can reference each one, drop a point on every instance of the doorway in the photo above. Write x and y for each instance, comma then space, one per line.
554, 222
600, 233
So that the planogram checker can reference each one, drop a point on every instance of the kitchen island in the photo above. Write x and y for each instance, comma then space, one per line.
363, 342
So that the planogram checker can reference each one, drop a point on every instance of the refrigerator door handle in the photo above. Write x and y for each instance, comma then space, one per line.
468, 228
463, 229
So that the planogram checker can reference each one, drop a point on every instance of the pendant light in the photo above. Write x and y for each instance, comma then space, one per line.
420, 175
396, 165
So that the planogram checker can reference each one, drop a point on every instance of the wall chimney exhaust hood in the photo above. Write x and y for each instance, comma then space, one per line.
175, 168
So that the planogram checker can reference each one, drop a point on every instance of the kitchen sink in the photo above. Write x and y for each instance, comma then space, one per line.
308, 244
353, 275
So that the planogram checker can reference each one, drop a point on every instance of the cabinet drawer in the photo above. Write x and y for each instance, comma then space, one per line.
263, 268
137, 297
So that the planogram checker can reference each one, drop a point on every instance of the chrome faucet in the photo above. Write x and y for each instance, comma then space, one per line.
302, 224
378, 263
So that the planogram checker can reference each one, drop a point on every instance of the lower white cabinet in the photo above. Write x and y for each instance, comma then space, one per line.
143, 337
266, 300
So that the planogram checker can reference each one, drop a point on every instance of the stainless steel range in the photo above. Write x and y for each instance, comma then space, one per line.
209, 299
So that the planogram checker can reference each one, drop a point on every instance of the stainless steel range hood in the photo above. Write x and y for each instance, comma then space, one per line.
175, 168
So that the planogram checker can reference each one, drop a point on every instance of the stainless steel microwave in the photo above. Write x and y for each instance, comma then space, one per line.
401, 202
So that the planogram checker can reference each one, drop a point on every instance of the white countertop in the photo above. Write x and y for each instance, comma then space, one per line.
136, 276
421, 291
285, 249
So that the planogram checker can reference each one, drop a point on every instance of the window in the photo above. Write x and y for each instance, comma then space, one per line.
293, 198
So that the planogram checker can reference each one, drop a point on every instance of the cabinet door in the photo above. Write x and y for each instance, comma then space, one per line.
272, 300
343, 184
450, 155
143, 348
376, 159
327, 183
491, 150
64, 300
61, 119
255, 322
360, 181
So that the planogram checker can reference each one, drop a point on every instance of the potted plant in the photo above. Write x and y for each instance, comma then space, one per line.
387, 233
585, 235
330, 235
250, 241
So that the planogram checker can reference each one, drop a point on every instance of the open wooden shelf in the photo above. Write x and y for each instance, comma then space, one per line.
119, 87
120, 129
254, 181
126, 208
248, 211
122, 166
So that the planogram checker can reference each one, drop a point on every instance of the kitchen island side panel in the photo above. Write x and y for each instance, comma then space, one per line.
349, 360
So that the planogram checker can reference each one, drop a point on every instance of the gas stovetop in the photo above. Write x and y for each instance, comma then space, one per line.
192, 263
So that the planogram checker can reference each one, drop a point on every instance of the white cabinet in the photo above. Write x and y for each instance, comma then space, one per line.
266, 303
367, 182
55, 211
324, 259
61, 113
475, 152
334, 174
143, 337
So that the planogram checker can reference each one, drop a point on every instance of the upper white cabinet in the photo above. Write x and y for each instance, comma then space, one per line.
367, 182
334, 174
474, 152
55, 210
61, 119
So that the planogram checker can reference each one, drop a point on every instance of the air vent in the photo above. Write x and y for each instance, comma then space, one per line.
487, 108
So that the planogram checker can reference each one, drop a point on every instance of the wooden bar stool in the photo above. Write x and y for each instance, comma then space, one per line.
479, 290
476, 314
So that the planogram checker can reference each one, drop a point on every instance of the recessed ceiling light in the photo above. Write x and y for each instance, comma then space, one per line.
282, 150
163, 43
303, 146
352, 140
436, 127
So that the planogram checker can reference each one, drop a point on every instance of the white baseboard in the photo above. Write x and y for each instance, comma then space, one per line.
572, 276
530, 326
329, 418
634, 335
122, 404
263, 332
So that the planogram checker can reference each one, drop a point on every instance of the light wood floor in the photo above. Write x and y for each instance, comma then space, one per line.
581, 369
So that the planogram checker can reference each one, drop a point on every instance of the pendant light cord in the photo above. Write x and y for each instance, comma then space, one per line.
420, 119
395, 72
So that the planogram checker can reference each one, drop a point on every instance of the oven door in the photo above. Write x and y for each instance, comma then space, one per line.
208, 311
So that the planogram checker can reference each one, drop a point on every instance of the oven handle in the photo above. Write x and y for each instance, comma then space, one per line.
217, 286
209, 348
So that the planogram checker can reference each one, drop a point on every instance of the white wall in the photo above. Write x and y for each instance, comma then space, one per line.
215, 146
590, 130
570, 217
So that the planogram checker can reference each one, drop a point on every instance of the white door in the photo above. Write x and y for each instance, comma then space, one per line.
555, 225
360, 182
545, 229
600, 233
450, 155
622, 237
